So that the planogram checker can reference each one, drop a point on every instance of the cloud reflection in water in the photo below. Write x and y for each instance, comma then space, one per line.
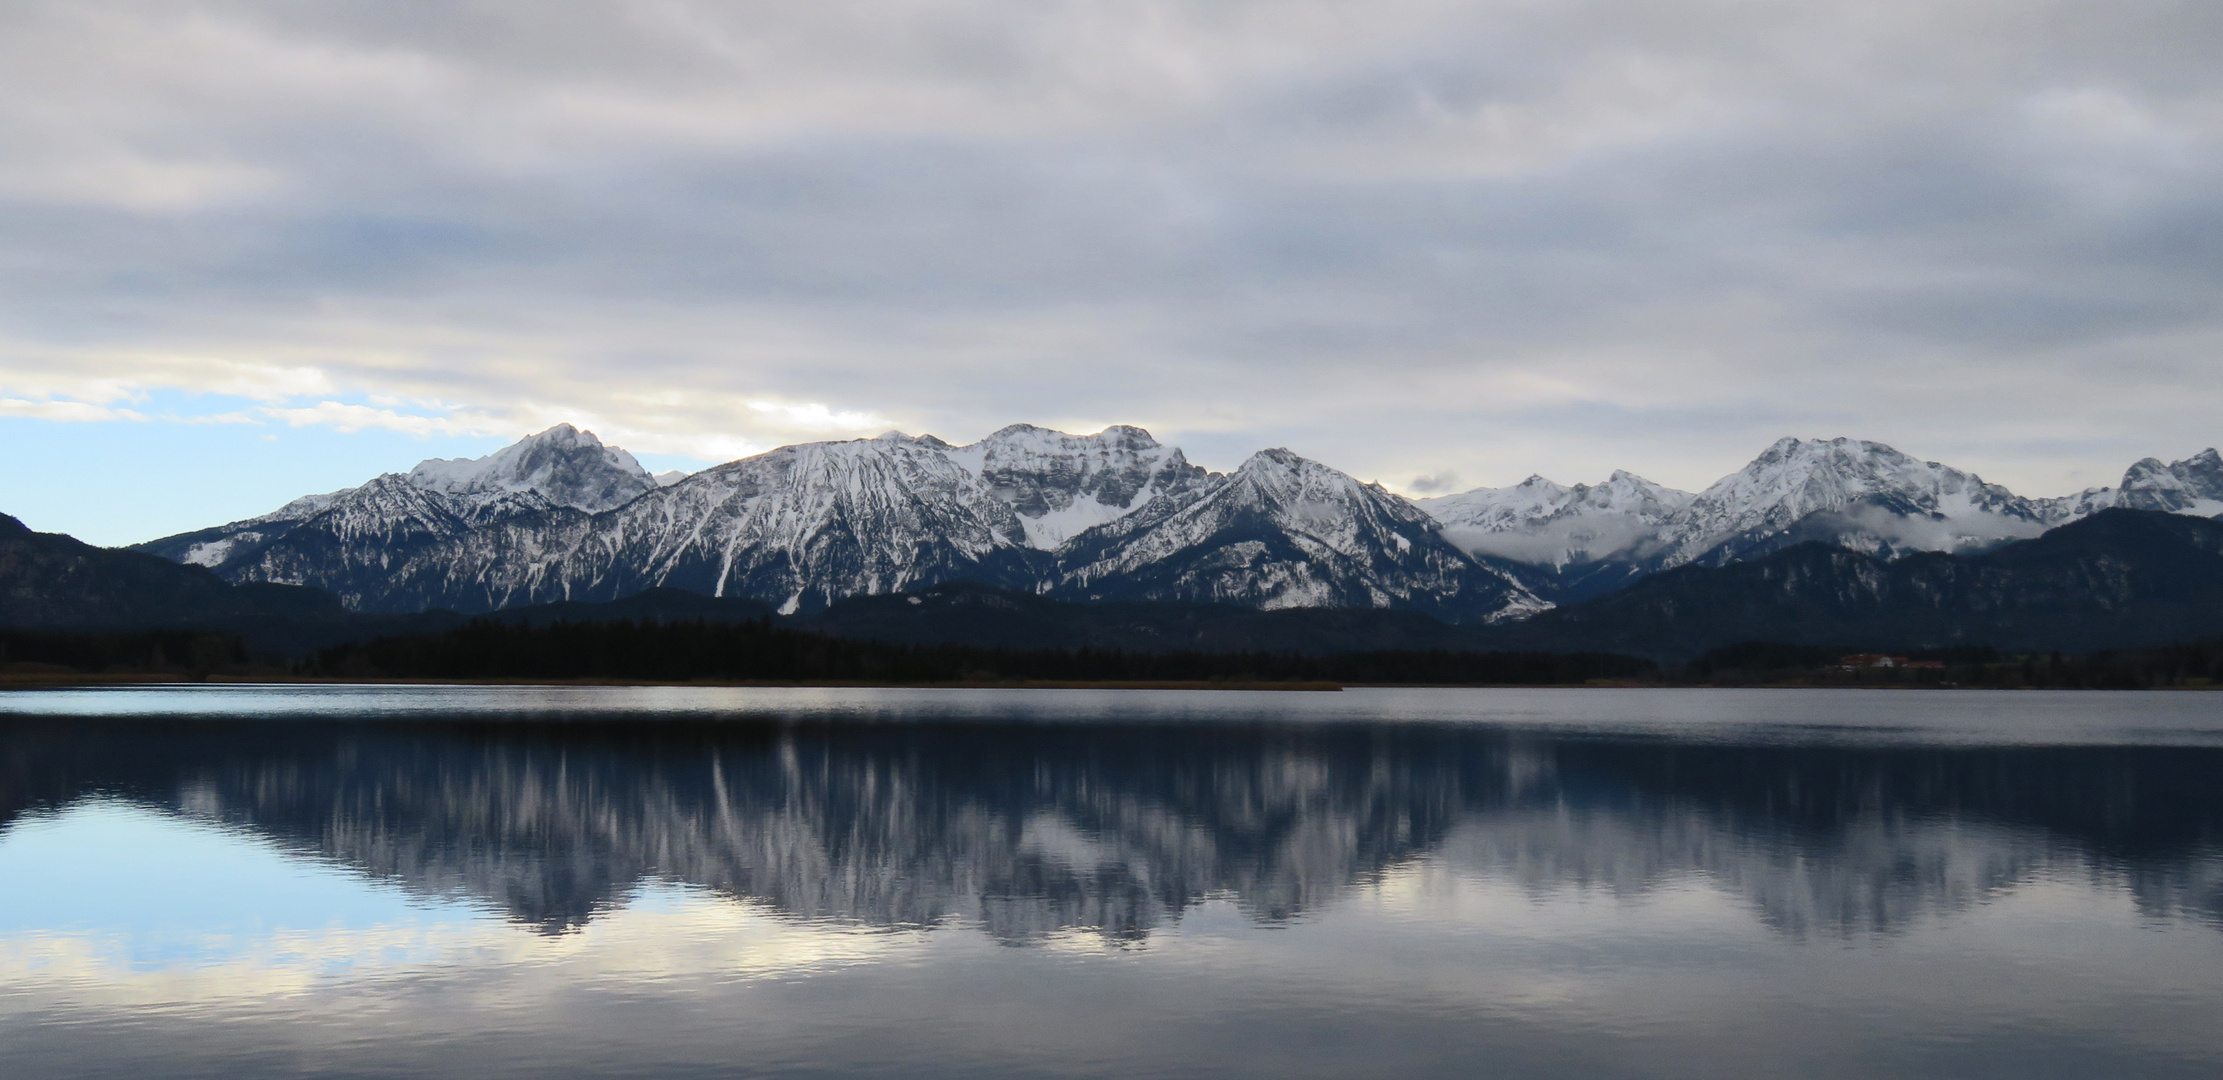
1435, 884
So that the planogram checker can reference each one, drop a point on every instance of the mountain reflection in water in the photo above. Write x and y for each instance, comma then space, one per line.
1028, 831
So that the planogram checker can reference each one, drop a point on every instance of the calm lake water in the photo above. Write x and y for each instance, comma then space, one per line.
475, 882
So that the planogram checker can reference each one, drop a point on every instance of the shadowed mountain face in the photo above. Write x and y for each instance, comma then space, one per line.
49, 580
2118, 579
1026, 831
53, 582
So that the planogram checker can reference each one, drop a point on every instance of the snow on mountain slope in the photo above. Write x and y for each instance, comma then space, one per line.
1503, 509
1061, 485
799, 527
212, 547
1875, 499
563, 465
806, 525
358, 540
802, 526
1541, 523
2083, 504
2192, 486
1862, 495
1282, 531
215, 546
301, 508
1111, 515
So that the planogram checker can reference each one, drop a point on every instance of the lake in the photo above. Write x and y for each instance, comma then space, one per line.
590, 881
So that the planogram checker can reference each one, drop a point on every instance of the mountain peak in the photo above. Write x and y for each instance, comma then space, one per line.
2192, 486
1793, 448
565, 465
1273, 457
1032, 438
1061, 485
1285, 531
1281, 475
1543, 523
1874, 498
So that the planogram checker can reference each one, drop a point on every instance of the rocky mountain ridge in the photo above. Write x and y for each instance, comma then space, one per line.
1282, 531
803, 526
1113, 516
563, 466
2192, 486
1854, 494
439, 498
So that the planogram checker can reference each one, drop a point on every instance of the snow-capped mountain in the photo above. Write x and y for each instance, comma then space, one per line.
799, 527
2192, 486
2083, 504
1565, 529
803, 526
1282, 531
1110, 516
1584, 539
1851, 493
563, 465
442, 497
1862, 495
1062, 485
1114, 513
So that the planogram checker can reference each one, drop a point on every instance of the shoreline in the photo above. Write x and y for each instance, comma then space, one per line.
60, 680
29, 681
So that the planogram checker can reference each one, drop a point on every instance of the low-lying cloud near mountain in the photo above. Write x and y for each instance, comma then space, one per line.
1412, 237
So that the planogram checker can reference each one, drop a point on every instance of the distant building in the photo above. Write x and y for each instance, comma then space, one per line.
1867, 660
1870, 660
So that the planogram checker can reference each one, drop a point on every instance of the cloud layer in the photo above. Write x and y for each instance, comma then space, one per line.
1417, 239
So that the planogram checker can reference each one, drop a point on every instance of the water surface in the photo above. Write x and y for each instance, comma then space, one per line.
280, 881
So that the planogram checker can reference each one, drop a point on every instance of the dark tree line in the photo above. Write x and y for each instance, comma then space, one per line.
759, 651
186, 652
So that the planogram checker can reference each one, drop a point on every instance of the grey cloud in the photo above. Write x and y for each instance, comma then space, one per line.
1489, 238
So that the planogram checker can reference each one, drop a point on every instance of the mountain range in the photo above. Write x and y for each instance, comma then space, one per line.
1109, 516
1584, 540
1105, 518
2119, 579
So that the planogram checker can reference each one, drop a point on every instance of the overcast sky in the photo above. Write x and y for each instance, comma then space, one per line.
249, 250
